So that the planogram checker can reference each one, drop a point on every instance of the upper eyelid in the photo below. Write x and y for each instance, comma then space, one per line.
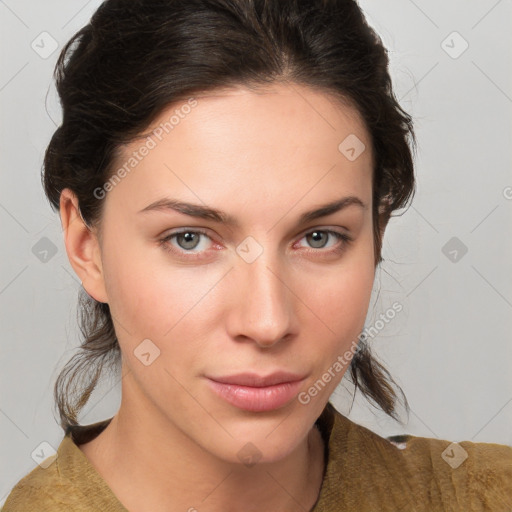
206, 231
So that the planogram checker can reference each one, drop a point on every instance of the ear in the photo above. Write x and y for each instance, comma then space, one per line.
82, 247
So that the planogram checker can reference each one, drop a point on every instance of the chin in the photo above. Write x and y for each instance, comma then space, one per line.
266, 442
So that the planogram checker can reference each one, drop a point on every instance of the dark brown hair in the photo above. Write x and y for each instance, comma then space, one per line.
136, 57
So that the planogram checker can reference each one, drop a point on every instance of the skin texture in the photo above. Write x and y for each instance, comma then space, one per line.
263, 157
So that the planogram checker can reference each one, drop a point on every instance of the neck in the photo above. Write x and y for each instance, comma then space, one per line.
172, 472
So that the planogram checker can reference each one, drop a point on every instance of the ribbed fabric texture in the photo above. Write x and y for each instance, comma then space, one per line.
364, 472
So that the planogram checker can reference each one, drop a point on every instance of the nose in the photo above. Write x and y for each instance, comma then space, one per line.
263, 309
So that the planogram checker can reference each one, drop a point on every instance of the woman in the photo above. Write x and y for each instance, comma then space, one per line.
224, 173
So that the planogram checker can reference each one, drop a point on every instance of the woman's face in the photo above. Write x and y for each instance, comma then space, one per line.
264, 293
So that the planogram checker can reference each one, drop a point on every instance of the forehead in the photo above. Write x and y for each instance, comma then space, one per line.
236, 144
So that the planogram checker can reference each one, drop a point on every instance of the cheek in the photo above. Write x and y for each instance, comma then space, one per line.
150, 298
339, 298
141, 298
340, 305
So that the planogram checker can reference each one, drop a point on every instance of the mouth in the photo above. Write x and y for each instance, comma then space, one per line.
256, 393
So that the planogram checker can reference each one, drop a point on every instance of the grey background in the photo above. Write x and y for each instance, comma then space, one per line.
450, 346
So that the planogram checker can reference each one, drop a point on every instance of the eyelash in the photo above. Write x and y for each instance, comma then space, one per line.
342, 237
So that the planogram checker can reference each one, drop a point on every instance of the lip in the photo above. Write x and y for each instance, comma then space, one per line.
252, 392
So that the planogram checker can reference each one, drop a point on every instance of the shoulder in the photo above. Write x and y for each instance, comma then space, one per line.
42, 486
67, 481
478, 475
419, 473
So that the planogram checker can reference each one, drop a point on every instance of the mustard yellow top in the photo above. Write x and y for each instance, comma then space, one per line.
364, 472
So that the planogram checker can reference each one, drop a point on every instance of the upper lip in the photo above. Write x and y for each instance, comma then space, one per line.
259, 381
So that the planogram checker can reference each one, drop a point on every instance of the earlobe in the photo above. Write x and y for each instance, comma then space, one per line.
82, 247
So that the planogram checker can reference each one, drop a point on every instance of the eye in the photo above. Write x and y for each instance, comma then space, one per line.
319, 237
186, 241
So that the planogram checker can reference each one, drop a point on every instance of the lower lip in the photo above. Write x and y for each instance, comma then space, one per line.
256, 399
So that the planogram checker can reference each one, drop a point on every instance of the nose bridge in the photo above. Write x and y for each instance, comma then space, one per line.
264, 298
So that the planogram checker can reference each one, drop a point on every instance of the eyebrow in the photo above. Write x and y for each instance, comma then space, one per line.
206, 212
